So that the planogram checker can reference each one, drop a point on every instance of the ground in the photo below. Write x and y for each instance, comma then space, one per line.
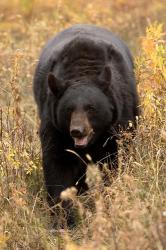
131, 213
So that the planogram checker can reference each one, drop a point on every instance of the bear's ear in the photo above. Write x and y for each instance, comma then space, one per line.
106, 75
105, 78
54, 84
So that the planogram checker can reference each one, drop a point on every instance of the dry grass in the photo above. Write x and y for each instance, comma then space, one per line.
131, 213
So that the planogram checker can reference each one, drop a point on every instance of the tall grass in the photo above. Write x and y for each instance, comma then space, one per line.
131, 212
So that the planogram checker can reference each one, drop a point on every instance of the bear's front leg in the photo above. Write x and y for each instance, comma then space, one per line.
59, 174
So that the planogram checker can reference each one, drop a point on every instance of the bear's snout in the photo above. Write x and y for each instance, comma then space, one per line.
77, 132
80, 129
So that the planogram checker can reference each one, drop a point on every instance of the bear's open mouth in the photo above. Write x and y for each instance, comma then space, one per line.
83, 141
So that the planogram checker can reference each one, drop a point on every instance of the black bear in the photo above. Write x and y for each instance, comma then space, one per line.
85, 88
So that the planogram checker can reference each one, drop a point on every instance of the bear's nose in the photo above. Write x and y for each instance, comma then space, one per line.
77, 132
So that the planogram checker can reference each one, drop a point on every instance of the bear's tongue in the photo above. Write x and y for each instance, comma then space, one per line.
81, 141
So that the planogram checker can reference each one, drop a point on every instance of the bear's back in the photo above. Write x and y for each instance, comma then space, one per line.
56, 45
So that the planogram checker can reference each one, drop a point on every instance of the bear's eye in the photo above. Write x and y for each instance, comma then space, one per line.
90, 108
69, 109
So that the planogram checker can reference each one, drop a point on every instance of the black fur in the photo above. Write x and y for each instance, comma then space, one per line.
92, 67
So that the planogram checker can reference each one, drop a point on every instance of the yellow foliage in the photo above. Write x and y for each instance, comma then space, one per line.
151, 69
3, 240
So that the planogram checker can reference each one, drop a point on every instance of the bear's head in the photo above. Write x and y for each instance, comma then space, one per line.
82, 109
